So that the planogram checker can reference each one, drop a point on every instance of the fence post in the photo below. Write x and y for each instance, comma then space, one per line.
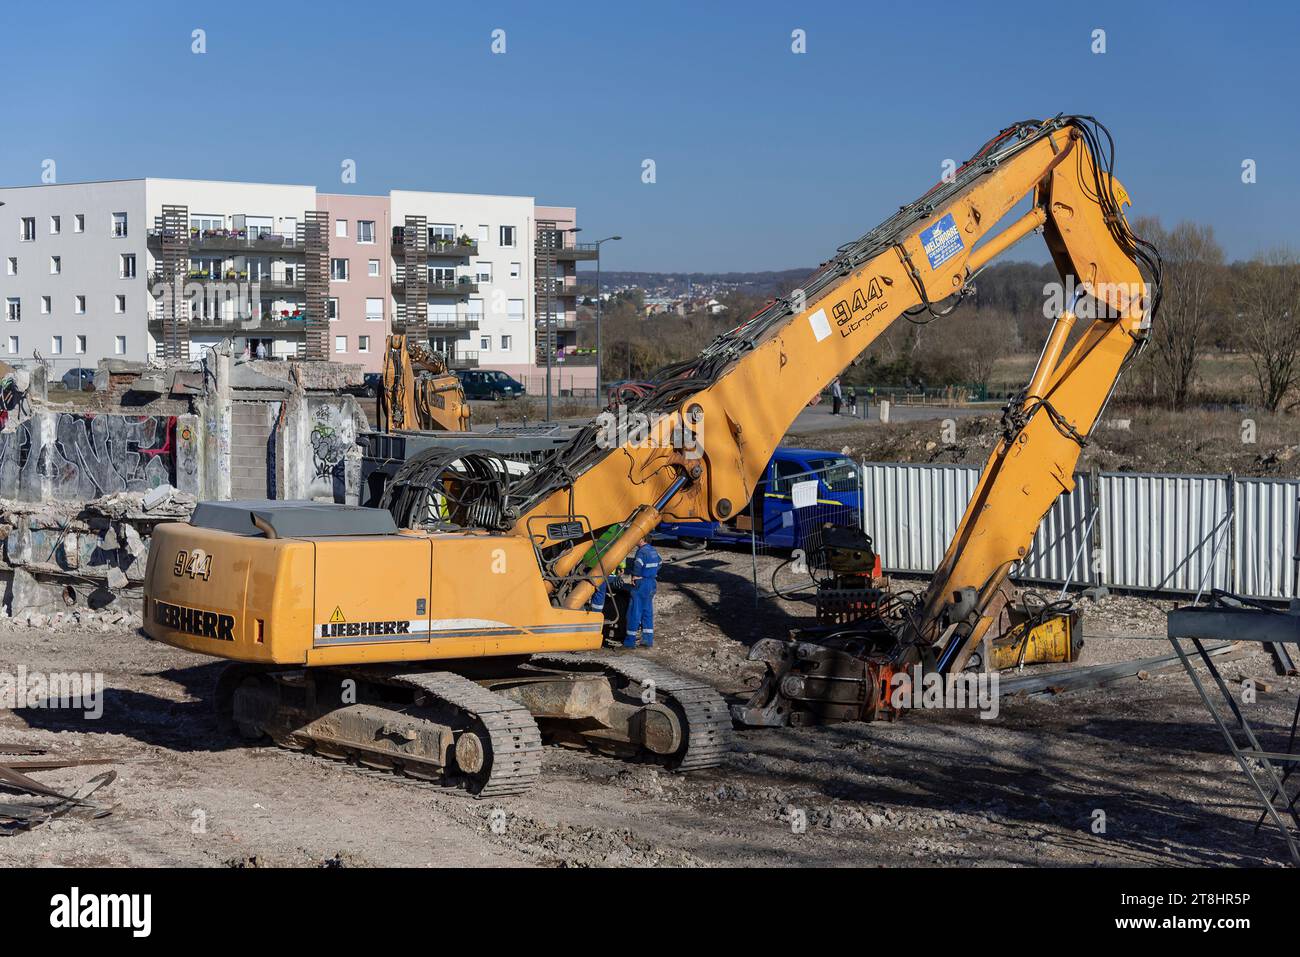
1232, 583
1094, 496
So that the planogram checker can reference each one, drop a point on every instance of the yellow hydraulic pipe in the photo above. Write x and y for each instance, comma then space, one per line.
1052, 351
641, 525
995, 245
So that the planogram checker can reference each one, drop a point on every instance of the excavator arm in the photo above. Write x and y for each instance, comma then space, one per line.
696, 445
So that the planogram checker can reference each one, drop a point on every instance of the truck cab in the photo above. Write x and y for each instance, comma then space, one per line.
799, 486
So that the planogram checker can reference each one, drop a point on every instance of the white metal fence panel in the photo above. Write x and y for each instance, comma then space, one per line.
913, 511
1165, 532
1267, 537
1062, 546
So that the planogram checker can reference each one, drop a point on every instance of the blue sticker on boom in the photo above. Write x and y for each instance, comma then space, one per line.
942, 241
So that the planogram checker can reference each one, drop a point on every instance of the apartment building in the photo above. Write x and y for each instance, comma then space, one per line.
168, 267
556, 300
73, 276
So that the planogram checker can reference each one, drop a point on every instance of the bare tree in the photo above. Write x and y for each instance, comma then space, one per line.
1193, 283
1267, 292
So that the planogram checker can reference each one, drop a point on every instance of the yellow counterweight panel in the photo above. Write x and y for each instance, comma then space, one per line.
354, 599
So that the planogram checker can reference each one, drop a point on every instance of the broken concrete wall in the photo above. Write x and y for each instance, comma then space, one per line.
60, 556
80, 456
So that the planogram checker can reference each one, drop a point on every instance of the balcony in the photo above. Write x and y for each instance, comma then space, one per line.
462, 286
262, 284
562, 358
557, 243
463, 360
559, 325
556, 288
437, 247
270, 324
234, 240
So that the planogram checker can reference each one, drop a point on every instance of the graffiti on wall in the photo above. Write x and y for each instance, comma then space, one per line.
88, 456
332, 434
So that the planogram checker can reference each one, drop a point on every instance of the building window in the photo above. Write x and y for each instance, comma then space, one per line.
340, 344
27, 229
127, 268
341, 228
56, 345
442, 233
483, 231
372, 268
13, 309
484, 272
375, 310
56, 265
507, 235
363, 343
365, 231
119, 345
79, 305
79, 223
119, 225
485, 343
506, 342
332, 309
56, 224
205, 222
81, 345
339, 270
515, 310
45, 305
13, 345
514, 270
12, 266
119, 304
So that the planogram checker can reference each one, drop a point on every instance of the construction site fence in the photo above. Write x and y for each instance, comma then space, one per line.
1146, 532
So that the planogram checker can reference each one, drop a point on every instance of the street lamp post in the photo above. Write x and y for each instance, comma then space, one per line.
599, 355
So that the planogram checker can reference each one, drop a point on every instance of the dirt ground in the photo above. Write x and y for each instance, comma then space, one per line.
936, 788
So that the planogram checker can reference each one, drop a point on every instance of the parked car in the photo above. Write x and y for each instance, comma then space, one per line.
771, 516
369, 387
80, 379
490, 384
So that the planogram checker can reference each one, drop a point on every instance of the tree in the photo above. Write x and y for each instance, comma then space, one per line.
1267, 291
1192, 285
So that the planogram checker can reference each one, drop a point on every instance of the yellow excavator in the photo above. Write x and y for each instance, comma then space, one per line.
451, 632
419, 392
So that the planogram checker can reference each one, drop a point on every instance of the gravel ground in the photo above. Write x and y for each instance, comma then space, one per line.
936, 788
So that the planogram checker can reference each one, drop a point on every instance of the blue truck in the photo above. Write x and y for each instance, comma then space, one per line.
772, 511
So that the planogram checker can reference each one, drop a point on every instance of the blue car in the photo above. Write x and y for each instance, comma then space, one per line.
772, 511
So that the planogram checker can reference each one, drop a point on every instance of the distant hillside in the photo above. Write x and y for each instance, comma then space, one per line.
679, 283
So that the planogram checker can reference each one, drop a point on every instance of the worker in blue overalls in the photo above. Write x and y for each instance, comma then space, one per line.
641, 609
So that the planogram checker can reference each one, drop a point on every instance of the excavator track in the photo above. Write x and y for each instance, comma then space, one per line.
514, 755
706, 718
454, 731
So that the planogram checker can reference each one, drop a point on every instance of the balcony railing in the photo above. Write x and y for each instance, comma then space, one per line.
235, 239
556, 288
239, 277
462, 286
586, 358
264, 323
463, 360
436, 246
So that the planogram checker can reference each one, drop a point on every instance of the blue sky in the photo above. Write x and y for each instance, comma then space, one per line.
764, 159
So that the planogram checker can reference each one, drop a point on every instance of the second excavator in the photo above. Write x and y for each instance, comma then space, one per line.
450, 633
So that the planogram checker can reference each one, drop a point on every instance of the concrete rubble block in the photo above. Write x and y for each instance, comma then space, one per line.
71, 549
156, 497
27, 594
117, 579
135, 546
109, 541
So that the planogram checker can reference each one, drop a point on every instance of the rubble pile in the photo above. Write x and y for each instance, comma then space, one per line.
66, 559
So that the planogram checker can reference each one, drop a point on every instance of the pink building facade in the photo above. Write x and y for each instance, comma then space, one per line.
360, 304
